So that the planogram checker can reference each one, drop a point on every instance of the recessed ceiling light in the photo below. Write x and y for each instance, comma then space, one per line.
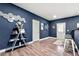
54, 16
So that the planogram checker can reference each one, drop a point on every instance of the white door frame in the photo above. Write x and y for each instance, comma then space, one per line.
35, 30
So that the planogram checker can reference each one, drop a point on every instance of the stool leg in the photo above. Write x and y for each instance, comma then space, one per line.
77, 49
73, 47
64, 44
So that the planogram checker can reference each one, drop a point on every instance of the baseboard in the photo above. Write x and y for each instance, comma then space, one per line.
4, 50
44, 38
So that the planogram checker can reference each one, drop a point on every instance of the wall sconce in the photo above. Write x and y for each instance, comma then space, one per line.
67, 30
53, 27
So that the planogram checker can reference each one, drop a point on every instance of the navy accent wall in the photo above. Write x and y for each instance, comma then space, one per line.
6, 27
71, 24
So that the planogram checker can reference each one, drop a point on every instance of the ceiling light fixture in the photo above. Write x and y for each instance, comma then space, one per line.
54, 16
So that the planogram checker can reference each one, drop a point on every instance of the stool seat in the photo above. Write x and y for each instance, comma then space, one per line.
68, 36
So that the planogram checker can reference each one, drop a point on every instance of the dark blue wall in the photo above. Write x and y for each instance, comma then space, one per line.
6, 27
71, 24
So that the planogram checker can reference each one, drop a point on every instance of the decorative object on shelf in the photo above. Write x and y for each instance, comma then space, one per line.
19, 32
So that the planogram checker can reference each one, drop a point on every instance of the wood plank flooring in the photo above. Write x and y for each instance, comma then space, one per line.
40, 48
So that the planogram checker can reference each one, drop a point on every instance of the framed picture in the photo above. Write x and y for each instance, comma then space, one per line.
46, 26
42, 26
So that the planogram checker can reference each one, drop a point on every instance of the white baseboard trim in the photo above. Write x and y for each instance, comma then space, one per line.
44, 38
4, 50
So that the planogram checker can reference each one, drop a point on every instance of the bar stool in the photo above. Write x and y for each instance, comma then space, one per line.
74, 46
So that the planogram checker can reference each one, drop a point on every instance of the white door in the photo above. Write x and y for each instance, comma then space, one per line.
36, 29
61, 31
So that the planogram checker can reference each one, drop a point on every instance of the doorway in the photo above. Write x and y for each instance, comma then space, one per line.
61, 29
36, 30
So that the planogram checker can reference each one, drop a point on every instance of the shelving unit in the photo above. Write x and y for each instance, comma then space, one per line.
17, 38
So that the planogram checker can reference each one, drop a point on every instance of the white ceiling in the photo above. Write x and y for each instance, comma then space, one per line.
51, 11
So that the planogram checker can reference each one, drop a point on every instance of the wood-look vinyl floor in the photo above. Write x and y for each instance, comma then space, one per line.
40, 48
